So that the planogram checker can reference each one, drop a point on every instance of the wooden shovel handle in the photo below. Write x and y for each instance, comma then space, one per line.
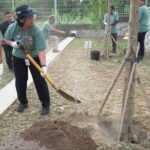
41, 71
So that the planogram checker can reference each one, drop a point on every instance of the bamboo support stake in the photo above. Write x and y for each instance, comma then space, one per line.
115, 42
108, 29
143, 91
112, 86
127, 96
107, 47
113, 83
76, 106
103, 42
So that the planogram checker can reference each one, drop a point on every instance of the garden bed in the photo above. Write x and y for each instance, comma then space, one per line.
88, 80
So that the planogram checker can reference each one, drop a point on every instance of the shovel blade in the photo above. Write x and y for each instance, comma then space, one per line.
68, 97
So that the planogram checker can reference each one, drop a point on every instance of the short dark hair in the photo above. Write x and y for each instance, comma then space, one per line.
112, 7
7, 12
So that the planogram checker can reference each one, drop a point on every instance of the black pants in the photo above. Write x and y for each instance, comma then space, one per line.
114, 39
8, 56
21, 76
141, 38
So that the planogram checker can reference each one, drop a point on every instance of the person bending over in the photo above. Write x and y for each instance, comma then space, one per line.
48, 28
31, 38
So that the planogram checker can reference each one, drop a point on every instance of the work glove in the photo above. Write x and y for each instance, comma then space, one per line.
15, 44
1, 69
105, 23
44, 68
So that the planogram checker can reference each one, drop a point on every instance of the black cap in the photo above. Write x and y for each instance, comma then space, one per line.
24, 11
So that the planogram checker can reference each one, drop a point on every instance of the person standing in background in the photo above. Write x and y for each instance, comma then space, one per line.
13, 16
143, 27
47, 29
9, 19
114, 18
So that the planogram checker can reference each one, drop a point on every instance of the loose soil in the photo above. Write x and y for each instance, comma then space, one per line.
52, 135
71, 126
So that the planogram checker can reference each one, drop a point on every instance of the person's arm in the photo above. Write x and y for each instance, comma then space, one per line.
140, 14
40, 46
115, 22
105, 20
57, 31
42, 58
116, 19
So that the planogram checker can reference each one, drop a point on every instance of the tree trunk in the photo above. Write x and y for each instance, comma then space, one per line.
128, 98
107, 41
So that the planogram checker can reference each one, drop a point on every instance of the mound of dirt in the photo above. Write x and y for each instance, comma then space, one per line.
58, 135
49, 135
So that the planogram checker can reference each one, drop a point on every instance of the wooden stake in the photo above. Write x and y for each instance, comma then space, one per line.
112, 85
127, 95
143, 91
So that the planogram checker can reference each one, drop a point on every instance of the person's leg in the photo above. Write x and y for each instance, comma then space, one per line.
41, 86
141, 38
114, 39
8, 56
55, 42
21, 77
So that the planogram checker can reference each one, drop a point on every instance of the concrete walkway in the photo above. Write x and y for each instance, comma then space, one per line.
8, 94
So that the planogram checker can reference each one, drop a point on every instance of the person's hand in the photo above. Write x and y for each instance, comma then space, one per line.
63, 32
1, 42
15, 44
105, 23
44, 68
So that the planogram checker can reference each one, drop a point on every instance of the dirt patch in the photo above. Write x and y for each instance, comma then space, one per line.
106, 128
54, 135
88, 80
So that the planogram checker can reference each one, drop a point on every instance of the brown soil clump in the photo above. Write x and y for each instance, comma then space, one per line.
58, 135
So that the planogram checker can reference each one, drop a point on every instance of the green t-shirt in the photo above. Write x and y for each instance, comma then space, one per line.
114, 17
33, 39
46, 28
143, 18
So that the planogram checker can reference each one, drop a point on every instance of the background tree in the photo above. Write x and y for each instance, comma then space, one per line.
98, 9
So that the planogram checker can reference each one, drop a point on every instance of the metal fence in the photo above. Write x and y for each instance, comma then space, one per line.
66, 11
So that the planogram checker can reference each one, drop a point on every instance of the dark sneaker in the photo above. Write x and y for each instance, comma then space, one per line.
21, 107
45, 111
139, 58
